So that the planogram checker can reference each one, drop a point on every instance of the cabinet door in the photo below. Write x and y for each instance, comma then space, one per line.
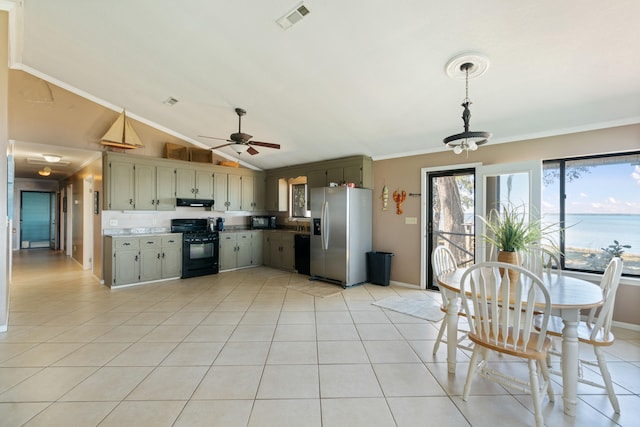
353, 174
288, 252
220, 191
185, 183
227, 251
317, 178
266, 248
246, 193
145, 187
234, 192
150, 262
271, 184
120, 185
335, 174
259, 192
204, 184
171, 261
165, 188
243, 245
275, 253
126, 266
256, 248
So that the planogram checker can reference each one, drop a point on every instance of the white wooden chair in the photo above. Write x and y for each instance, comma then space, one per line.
443, 261
541, 259
486, 293
596, 331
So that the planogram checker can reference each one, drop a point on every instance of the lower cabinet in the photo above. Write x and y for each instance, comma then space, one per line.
280, 248
137, 259
237, 249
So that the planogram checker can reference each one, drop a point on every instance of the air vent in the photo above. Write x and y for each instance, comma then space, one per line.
171, 101
294, 16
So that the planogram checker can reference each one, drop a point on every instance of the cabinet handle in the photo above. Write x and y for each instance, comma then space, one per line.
126, 244
157, 201
193, 190
197, 190
130, 201
153, 202
158, 255
136, 258
172, 241
149, 242
162, 254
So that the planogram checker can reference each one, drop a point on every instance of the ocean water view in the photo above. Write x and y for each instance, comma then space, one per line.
596, 231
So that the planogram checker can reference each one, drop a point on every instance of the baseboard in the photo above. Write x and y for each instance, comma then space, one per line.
624, 325
404, 284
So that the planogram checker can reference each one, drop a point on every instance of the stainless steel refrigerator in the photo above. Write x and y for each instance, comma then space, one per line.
340, 234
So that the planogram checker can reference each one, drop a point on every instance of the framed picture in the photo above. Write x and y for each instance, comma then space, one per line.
96, 202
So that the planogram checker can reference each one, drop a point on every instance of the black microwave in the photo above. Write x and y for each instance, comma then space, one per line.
263, 222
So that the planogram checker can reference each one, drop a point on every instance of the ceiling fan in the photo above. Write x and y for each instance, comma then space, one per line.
241, 142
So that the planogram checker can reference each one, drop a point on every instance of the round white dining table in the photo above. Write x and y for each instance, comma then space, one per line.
568, 296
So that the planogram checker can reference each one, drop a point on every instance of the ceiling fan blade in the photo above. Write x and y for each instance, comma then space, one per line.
252, 151
265, 144
223, 145
213, 137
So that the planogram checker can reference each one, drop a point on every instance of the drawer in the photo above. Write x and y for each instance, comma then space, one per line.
150, 242
168, 241
126, 243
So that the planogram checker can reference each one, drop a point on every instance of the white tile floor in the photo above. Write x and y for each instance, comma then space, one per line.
240, 349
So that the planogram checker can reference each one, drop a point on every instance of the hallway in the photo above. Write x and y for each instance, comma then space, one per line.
241, 349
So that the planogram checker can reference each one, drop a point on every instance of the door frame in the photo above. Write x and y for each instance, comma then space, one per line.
424, 206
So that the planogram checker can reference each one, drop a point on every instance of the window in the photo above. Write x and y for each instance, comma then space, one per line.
597, 201
298, 206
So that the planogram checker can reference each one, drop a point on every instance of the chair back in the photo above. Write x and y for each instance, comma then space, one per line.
540, 259
601, 318
504, 309
443, 261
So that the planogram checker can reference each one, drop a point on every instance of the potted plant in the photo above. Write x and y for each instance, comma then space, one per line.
512, 233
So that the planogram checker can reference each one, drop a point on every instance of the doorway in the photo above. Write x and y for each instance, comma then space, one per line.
451, 216
37, 220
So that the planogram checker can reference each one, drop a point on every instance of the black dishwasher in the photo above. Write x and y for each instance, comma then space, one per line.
303, 253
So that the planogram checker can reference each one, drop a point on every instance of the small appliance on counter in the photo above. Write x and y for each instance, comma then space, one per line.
263, 222
220, 224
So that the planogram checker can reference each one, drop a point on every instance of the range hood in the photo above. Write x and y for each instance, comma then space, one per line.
121, 134
194, 202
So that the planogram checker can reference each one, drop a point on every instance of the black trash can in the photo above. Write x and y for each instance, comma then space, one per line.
379, 267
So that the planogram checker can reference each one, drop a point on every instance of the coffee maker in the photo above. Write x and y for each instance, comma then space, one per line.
220, 224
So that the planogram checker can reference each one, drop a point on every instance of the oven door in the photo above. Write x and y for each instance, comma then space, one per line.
200, 257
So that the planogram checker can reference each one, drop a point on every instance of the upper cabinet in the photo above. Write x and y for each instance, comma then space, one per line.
240, 191
194, 182
138, 184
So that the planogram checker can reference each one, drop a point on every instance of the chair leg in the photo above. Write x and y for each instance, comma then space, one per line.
535, 392
545, 376
443, 326
604, 371
471, 372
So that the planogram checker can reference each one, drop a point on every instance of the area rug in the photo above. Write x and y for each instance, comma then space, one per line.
428, 309
317, 289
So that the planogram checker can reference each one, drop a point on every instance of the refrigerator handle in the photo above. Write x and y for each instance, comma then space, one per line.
325, 225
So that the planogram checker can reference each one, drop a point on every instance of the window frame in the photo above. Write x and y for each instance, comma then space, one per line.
562, 193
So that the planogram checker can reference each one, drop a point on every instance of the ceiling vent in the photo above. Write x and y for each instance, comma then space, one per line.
294, 16
171, 101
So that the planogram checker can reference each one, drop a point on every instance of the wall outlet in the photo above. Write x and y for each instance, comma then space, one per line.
411, 220
113, 222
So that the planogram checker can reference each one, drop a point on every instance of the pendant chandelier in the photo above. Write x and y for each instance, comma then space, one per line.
467, 65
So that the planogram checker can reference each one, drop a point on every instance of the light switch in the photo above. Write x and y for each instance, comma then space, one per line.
411, 220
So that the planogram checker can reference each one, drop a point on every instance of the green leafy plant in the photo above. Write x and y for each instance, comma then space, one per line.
615, 250
509, 229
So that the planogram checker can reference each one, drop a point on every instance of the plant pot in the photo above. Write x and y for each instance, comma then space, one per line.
511, 258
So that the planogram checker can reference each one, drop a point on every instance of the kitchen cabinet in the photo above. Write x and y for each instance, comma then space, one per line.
281, 250
194, 183
137, 184
154, 187
140, 259
119, 188
239, 192
256, 248
236, 250
275, 194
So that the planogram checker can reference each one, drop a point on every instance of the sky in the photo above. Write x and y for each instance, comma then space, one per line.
608, 189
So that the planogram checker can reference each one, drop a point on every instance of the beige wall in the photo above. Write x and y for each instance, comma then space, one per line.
391, 234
